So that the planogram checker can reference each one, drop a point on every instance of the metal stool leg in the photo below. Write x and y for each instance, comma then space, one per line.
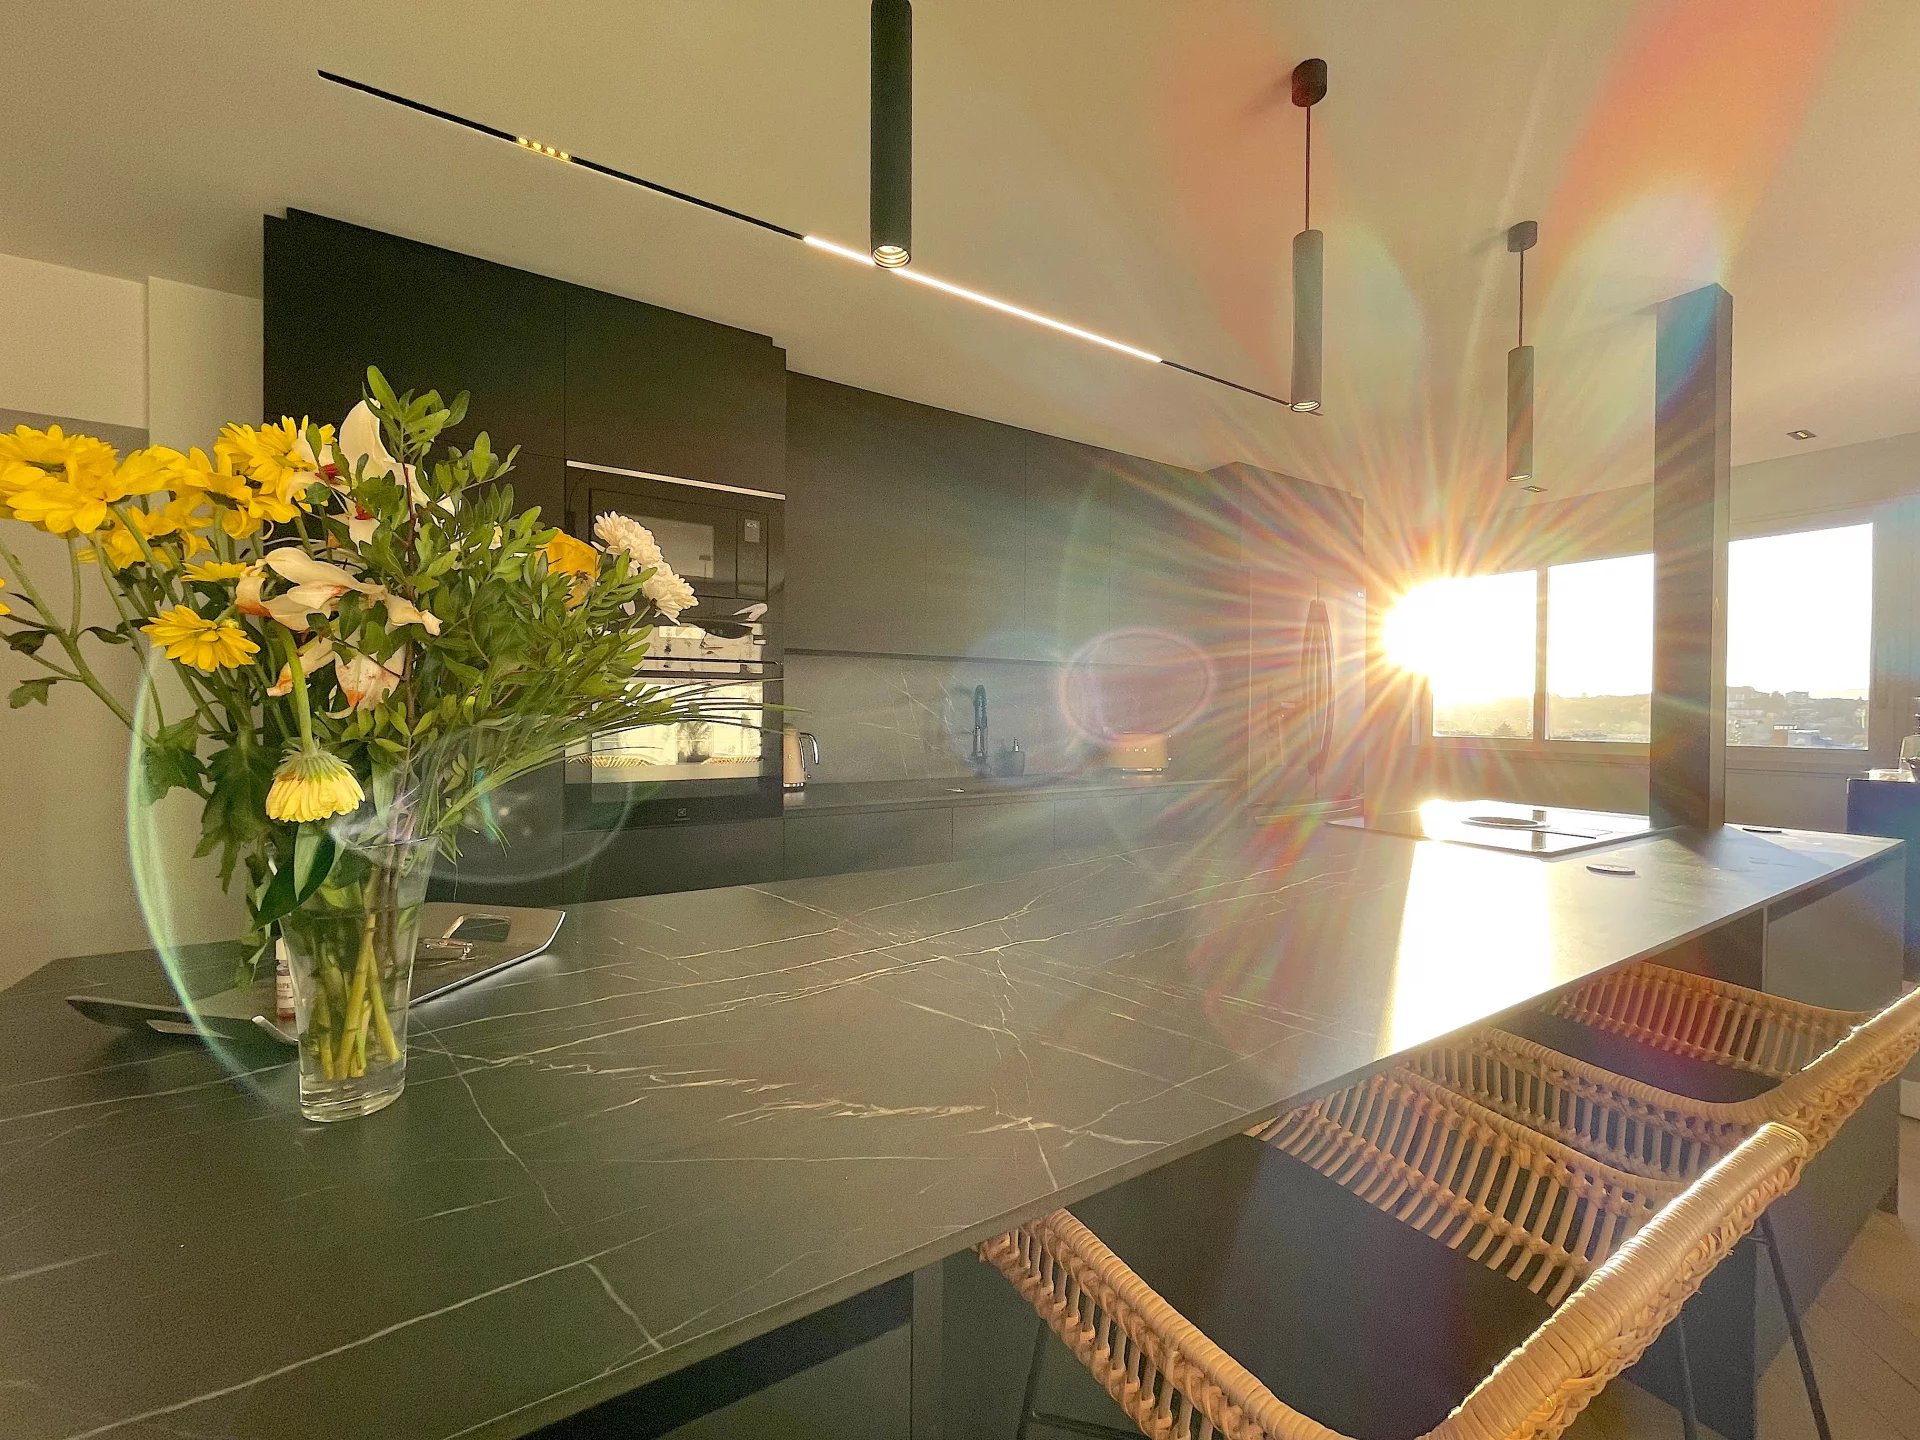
1804, 1355
1030, 1416
1689, 1417
1033, 1382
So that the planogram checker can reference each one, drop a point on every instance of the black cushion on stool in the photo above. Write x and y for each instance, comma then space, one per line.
1345, 1313
1679, 1074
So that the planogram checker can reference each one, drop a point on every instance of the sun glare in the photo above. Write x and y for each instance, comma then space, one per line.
1471, 637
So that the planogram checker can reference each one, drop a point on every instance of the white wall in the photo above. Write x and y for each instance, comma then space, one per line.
118, 358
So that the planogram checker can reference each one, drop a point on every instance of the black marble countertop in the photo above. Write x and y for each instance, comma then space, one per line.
705, 1114
846, 796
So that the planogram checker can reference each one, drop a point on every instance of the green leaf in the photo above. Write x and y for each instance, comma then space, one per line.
108, 636
27, 642
31, 692
168, 761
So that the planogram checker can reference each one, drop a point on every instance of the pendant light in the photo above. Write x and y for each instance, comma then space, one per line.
1520, 239
890, 147
1309, 254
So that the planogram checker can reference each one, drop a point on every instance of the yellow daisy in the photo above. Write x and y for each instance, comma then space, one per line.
5, 609
197, 641
312, 785
216, 572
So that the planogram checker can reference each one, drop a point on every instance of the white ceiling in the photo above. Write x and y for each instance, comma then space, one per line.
1132, 165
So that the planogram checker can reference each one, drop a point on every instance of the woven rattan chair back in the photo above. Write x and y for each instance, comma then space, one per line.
1172, 1381
1503, 1194
1827, 1062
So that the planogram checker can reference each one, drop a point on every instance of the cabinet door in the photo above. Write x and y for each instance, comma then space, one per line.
1018, 827
876, 840
967, 478
651, 389
339, 298
903, 526
1067, 536
851, 581
661, 859
527, 866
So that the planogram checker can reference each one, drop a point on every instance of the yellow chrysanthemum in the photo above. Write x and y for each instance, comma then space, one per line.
66, 484
216, 572
194, 640
277, 458
5, 609
312, 785
52, 450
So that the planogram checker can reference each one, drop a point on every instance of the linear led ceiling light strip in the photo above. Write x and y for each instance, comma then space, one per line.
901, 269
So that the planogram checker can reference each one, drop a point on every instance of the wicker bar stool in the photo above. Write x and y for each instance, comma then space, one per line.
1212, 1317
1655, 1044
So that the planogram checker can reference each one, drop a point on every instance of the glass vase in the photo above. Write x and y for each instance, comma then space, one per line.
350, 952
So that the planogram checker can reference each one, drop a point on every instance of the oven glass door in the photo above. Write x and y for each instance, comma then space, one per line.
720, 752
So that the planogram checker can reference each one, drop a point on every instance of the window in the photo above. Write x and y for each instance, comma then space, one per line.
1600, 650
1799, 646
1474, 640
1800, 639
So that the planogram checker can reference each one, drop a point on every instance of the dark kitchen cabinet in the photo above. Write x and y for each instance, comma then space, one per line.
1066, 535
671, 394
870, 840
658, 860
904, 526
339, 298
527, 865
1019, 827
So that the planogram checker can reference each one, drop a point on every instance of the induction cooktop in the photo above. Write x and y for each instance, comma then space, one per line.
1504, 825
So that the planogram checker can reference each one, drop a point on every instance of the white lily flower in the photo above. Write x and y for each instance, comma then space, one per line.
315, 656
359, 440
365, 682
318, 586
360, 523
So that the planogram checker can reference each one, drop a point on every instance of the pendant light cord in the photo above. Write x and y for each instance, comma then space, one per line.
1521, 339
1308, 225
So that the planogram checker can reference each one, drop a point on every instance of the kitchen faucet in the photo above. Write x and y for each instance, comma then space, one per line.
978, 756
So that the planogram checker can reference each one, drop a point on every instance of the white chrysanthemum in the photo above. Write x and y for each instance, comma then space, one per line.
668, 592
627, 535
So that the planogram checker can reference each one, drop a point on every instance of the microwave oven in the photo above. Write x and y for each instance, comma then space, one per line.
723, 540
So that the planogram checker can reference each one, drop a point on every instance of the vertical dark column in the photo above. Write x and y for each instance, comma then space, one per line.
1693, 395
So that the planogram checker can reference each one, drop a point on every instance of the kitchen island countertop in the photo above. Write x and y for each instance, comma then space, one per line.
703, 1115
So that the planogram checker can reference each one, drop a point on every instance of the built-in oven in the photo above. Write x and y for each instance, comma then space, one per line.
723, 657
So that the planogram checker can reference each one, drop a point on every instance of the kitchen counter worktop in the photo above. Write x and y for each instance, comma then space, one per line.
834, 797
703, 1115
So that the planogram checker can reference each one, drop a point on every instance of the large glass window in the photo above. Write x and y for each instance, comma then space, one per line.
1600, 649
1800, 639
1474, 640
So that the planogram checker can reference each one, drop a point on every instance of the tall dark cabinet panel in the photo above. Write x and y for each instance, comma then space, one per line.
340, 298
904, 526
671, 394
1067, 534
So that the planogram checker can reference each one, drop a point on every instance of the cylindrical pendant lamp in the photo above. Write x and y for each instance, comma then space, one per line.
890, 189
1309, 255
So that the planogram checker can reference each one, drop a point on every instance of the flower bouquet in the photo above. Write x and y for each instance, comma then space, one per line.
369, 639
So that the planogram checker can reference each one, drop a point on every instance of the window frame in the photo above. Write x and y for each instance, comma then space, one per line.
1884, 519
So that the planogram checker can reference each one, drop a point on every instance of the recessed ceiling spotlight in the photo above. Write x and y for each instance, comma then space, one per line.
1534, 489
1800, 434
